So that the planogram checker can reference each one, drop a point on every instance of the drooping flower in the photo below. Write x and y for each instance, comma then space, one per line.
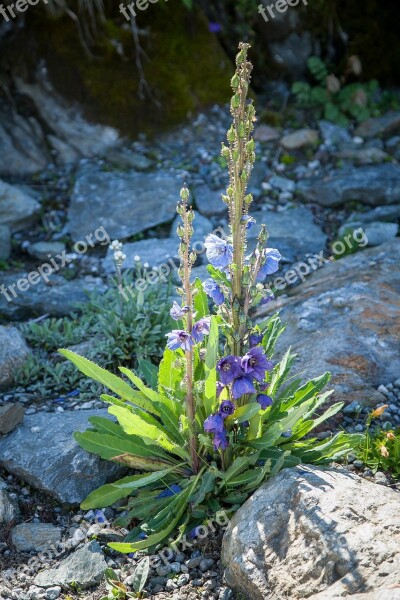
249, 220
171, 491
228, 368
264, 401
201, 328
178, 338
214, 424
241, 386
220, 441
218, 251
256, 363
271, 264
177, 312
220, 387
255, 339
213, 290
226, 409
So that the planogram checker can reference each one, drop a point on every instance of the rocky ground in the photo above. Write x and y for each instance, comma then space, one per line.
313, 187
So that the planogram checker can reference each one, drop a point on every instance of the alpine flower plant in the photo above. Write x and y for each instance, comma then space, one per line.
221, 415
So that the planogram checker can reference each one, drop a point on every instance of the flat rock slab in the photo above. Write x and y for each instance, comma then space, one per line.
11, 415
123, 203
293, 232
57, 297
208, 201
153, 251
9, 509
13, 354
85, 567
346, 319
314, 531
43, 452
385, 125
34, 537
372, 185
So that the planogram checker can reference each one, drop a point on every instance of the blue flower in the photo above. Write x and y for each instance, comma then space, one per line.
220, 387
226, 409
201, 328
220, 441
214, 424
250, 221
241, 386
264, 401
229, 368
213, 290
255, 339
256, 363
171, 491
219, 252
271, 263
179, 339
214, 27
178, 312
267, 299
99, 516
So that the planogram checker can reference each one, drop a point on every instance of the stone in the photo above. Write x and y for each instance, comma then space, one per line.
43, 250
201, 227
123, 158
380, 213
362, 156
208, 202
34, 537
372, 185
123, 203
13, 354
299, 139
84, 568
54, 295
9, 509
387, 593
153, 251
5, 242
385, 125
352, 306
18, 207
11, 415
283, 184
334, 135
377, 232
49, 459
265, 133
293, 232
313, 532
291, 54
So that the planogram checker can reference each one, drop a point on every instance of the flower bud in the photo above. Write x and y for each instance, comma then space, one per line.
235, 82
235, 102
225, 152
184, 193
379, 411
231, 135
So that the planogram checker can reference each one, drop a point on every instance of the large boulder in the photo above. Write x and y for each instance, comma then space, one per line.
13, 354
312, 531
43, 452
18, 207
346, 319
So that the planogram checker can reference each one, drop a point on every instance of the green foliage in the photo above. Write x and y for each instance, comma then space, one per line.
380, 449
336, 100
204, 436
118, 591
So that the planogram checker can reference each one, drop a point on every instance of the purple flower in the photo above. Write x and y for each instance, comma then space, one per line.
255, 339
256, 363
250, 221
99, 516
264, 401
214, 27
179, 339
220, 441
171, 491
214, 424
241, 386
213, 290
267, 299
219, 252
220, 387
226, 409
201, 328
271, 264
229, 368
178, 312
287, 434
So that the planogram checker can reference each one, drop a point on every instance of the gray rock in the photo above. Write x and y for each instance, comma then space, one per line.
49, 459
5, 242
313, 531
42, 250
9, 510
356, 339
201, 227
362, 156
36, 537
372, 185
283, 184
152, 251
285, 228
123, 203
18, 208
126, 159
377, 232
58, 297
265, 133
380, 213
292, 53
299, 139
208, 201
11, 415
387, 593
85, 567
334, 135
385, 125
13, 354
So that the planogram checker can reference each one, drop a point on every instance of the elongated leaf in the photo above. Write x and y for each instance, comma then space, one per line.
206, 486
104, 425
109, 446
200, 301
110, 381
150, 372
308, 390
150, 394
141, 463
168, 374
272, 328
210, 387
141, 574
240, 464
244, 413
280, 373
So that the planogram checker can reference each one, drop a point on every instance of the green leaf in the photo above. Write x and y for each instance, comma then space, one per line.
141, 574
218, 276
200, 301
150, 372
110, 381
210, 387
168, 374
150, 394
244, 413
240, 464
207, 485
109, 446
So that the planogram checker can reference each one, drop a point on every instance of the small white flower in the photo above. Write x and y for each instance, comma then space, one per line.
116, 245
119, 256
136, 258
146, 265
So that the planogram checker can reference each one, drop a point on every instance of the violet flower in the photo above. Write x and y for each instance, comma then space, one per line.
264, 401
241, 386
177, 312
171, 491
220, 441
200, 329
214, 424
213, 290
229, 368
179, 339
256, 363
255, 339
271, 263
226, 409
218, 251
249, 220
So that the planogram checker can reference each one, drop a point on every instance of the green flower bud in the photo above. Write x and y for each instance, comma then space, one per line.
226, 199
184, 193
250, 146
230, 191
231, 134
248, 199
225, 152
241, 130
235, 82
235, 102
